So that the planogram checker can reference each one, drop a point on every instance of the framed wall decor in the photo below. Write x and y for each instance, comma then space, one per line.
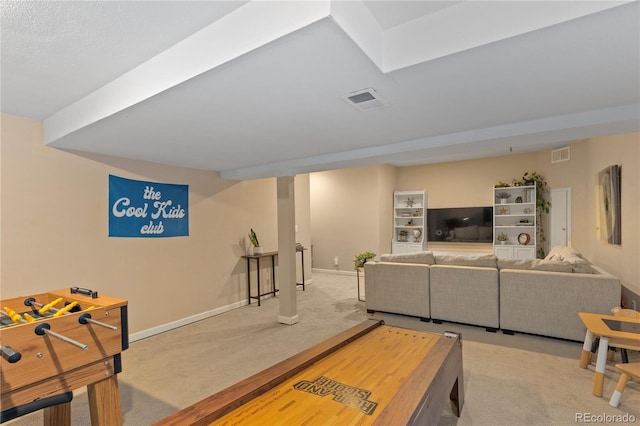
608, 205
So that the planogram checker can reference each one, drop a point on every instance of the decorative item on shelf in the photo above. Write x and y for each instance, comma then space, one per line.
502, 237
524, 238
527, 210
542, 205
501, 184
518, 199
256, 248
410, 222
405, 214
503, 197
416, 235
410, 202
361, 259
503, 210
402, 235
417, 213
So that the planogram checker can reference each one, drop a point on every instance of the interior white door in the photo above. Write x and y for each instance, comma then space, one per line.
560, 217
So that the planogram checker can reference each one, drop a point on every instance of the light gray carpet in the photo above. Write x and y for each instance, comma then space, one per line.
509, 380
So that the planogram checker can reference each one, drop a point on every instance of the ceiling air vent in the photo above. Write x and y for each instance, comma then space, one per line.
559, 155
365, 100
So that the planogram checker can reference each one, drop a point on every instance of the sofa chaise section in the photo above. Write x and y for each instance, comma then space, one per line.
547, 303
399, 288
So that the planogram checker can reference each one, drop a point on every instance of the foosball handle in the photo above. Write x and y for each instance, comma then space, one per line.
9, 354
84, 291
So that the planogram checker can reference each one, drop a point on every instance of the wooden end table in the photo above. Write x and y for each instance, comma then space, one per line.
617, 331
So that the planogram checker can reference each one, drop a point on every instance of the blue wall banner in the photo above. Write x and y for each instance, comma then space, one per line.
147, 209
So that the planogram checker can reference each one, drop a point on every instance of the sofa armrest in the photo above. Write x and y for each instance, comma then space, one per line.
547, 303
400, 288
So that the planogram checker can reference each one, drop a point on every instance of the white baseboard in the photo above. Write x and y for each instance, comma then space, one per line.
333, 271
184, 321
198, 317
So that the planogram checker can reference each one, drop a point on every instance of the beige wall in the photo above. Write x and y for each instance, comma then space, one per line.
470, 183
55, 231
303, 224
598, 153
349, 214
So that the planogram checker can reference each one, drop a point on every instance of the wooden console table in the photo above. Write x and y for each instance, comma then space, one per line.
300, 249
257, 257
274, 289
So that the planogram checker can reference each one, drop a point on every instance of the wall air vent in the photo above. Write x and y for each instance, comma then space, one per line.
365, 100
559, 155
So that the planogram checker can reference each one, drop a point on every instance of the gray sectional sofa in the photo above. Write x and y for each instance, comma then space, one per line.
539, 296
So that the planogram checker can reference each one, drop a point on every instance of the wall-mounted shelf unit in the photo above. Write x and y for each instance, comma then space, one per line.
514, 218
409, 221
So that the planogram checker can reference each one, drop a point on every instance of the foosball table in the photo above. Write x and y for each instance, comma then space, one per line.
56, 342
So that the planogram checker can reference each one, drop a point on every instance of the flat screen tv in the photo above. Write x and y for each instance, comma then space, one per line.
460, 225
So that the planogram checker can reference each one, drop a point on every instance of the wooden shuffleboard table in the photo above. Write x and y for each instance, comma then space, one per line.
370, 374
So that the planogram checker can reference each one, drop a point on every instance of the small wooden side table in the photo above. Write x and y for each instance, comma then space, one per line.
617, 331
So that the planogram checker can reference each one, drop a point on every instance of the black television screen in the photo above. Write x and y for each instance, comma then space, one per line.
460, 224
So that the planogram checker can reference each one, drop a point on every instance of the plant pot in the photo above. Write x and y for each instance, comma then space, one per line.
503, 242
255, 250
503, 201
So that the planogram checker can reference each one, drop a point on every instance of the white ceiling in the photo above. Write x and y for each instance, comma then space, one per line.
254, 89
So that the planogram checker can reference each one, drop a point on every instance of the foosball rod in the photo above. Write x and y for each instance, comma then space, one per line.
84, 318
44, 328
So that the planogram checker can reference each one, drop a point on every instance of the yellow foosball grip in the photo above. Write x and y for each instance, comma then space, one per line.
15, 317
66, 309
29, 318
48, 306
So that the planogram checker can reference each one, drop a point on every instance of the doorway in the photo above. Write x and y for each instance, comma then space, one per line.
560, 217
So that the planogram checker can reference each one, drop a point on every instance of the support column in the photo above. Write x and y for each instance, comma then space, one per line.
287, 250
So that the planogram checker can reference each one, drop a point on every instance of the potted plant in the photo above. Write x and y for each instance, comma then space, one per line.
503, 196
402, 235
502, 237
255, 244
361, 259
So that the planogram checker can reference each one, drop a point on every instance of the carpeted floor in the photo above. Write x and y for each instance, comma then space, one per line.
509, 380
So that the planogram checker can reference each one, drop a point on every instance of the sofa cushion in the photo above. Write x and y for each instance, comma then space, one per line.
423, 257
486, 261
550, 265
535, 265
568, 254
561, 252
514, 264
